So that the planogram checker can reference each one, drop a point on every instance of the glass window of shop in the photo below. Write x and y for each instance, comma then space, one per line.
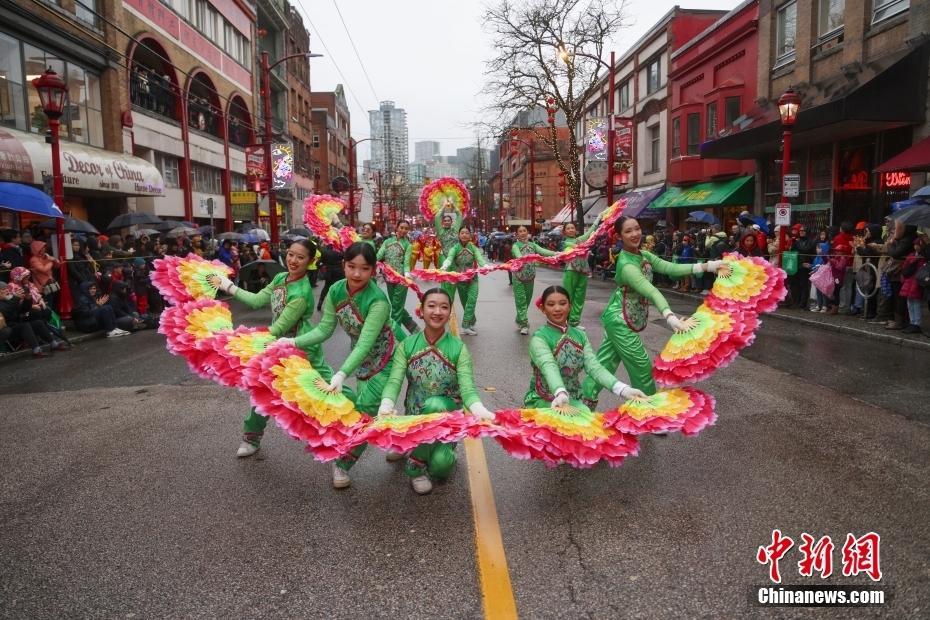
206, 179
20, 106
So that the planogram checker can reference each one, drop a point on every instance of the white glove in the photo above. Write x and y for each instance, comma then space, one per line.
290, 341
623, 390
387, 407
226, 285
336, 384
561, 398
712, 266
481, 411
676, 324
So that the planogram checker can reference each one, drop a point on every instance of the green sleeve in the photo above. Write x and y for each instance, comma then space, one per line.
437, 221
465, 371
593, 368
542, 357
456, 219
479, 256
408, 256
378, 314
591, 230
398, 370
380, 254
450, 258
543, 251
324, 328
255, 300
515, 251
289, 317
673, 270
634, 278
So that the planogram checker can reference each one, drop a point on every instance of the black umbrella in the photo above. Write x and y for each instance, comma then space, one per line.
232, 236
206, 230
71, 224
916, 215
272, 268
300, 232
167, 225
132, 219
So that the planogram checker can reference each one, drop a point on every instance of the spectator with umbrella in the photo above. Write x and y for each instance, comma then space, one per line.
133, 218
11, 252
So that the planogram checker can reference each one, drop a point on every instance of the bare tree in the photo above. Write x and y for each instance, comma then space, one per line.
547, 53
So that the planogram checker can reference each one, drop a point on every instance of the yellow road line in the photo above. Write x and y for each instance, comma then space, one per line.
496, 591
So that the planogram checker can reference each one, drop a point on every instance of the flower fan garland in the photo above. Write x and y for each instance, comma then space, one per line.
392, 276
402, 433
754, 285
713, 343
283, 384
321, 212
677, 409
232, 351
185, 279
575, 436
190, 328
435, 196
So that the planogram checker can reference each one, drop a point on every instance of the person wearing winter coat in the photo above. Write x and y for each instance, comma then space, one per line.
911, 290
92, 312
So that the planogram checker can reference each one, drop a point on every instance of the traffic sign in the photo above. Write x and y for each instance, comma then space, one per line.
783, 214
791, 185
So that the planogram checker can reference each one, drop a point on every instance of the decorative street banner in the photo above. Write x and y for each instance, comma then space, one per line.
595, 139
623, 139
254, 161
282, 164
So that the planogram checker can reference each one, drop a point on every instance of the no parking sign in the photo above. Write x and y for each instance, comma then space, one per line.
783, 214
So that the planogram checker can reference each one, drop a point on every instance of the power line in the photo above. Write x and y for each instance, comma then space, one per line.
357, 55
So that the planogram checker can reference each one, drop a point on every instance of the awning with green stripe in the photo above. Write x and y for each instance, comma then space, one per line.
814, 206
734, 192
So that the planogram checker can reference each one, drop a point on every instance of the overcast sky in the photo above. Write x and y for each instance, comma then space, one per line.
427, 56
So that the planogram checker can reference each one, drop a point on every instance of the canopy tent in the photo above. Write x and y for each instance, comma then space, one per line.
731, 193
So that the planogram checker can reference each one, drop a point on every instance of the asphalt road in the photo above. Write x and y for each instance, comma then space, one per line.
122, 495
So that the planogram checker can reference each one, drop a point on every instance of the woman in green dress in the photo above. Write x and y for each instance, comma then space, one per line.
447, 224
524, 278
627, 312
396, 252
438, 369
290, 296
577, 271
463, 256
362, 310
559, 353
367, 233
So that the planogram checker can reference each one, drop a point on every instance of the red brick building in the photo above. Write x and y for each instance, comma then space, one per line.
331, 134
514, 180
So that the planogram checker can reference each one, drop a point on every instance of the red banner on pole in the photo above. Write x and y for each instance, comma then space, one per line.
623, 138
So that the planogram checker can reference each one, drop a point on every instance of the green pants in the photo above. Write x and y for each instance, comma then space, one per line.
621, 344
576, 283
433, 459
367, 400
522, 293
397, 295
254, 425
468, 295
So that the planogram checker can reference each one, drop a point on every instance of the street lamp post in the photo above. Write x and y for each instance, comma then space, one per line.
266, 103
788, 105
352, 144
52, 92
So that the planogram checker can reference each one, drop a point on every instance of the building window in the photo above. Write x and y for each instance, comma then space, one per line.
238, 182
731, 111
694, 134
711, 120
316, 141
786, 30
676, 137
882, 9
206, 179
168, 166
653, 76
831, 17
654, 149
12, 96
86, 11
624, 95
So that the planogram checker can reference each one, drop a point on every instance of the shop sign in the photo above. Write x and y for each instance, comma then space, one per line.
896, 180
242, 198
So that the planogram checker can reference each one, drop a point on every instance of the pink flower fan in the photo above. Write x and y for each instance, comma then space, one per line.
185, 279
283, 384
232, 351
713, 343
393, 277
402, 433
190, 328
321, 212
442, 193
572, 435
438, 275
685, 409
754, 285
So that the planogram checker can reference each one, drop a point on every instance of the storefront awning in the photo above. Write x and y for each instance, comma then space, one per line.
640, 200
24, 157
887, 93
734, 192
914, 159
587, 206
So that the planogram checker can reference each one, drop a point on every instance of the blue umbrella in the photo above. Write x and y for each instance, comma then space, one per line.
26, 199
923, 191
703, 217
749, 220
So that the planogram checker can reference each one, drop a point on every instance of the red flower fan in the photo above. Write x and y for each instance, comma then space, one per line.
190, 328
393, 277
713, 343
185, 279
754, 285
230, 352
575, 436
677, 409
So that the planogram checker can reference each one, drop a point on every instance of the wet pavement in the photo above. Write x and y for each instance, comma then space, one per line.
122, 495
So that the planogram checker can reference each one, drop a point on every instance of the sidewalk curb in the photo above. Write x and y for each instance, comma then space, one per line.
922, 345
78, 338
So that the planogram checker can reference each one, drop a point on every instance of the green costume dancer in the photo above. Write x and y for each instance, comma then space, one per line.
439, 378
558, 354
365, 317
577, 271
291, 310
396, 252
627, 314
463, 256
525, 277
448, 235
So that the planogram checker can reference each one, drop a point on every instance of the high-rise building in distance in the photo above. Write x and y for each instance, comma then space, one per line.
389, 145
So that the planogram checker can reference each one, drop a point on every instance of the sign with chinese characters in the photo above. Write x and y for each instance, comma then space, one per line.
242, 198
595, 139
623, 139
859, 554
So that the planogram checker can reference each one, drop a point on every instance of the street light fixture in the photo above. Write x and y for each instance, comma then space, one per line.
52, 93
789, 104
266, 103
352, 144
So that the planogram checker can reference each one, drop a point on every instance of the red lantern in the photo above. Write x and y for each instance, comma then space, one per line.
621, 177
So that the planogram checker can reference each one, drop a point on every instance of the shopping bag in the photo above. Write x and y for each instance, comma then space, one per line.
789, 262
822, 278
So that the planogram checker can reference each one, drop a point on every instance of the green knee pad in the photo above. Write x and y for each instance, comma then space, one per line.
441, 461
437, 404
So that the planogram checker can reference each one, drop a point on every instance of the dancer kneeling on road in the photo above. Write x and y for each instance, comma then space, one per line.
439, 375
290, 296
559, 353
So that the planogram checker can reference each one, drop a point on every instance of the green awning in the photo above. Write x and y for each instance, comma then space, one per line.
814, 206
735, 192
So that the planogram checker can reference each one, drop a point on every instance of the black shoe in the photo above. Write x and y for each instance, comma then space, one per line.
853, 312
911, 329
